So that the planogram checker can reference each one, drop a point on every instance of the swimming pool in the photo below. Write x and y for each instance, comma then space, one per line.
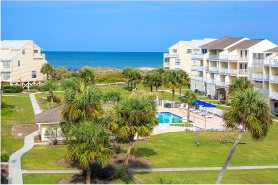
167, 117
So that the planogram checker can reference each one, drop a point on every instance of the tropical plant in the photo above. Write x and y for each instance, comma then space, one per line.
61, 73
157, 80
111, 96
72, 83
126, 74
148, 81
134, 114
87, 75
239, 84
84, 105
172, 79
248, 110
47, 69
135, 77
188, 98
161, 70
89, 143
52, 133
184, 78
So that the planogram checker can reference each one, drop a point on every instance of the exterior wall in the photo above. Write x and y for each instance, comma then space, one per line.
42, 132
27, 64
211, 90
199, 85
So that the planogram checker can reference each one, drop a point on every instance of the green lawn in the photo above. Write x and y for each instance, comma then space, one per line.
18, 94
258, 176
14, 110
43, 158
38, 178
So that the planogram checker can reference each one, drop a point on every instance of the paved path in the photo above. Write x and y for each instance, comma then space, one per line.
160, 169
15, 173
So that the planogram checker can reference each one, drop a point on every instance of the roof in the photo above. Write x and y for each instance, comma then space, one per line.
9, 56
246, 44
273, 50
14, 44
195, 44
50, 116
222, 43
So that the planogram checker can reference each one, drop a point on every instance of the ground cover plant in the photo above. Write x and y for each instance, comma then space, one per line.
14, 110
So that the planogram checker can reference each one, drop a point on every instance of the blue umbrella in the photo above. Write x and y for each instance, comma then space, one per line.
208, 105
199, 102
181, 97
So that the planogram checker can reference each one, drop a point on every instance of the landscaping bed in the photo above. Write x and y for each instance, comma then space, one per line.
20, 131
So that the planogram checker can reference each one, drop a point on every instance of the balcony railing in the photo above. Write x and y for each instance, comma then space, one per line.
273, 62
228, 71
212, 69
274, 78
197, 56
210, 81
196, 68
264, 91
193, 77
213, 57
243, 58
260, 76
223, 84
274, 94
199, 78
257, 61
243, 71
228, 57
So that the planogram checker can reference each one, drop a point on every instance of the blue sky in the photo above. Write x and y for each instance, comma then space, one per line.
134, 26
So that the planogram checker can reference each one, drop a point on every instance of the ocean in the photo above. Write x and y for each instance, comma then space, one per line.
118, 60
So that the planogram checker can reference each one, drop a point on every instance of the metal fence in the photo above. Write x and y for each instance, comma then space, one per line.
174, 104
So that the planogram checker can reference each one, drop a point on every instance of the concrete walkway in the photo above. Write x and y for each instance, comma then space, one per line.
15, 173
160, 169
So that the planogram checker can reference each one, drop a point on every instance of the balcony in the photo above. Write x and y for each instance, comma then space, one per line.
223, 84
210, 81
273, 95
272, 62
257, 61
261, 90
212, 69
193, 77
260, 76
166, 64
274, 78
196, 68
243, 72
197, 56
213, 57
228, 71
243, 58
228, 57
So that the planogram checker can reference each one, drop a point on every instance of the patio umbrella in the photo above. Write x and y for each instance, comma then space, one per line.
180, 97
207, 105
199, 102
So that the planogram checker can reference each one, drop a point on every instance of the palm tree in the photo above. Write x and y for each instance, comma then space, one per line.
148, 81
89, 143
134, 114
136, 77
47, 69
161, 70
185, 78
126, 74
188, 98
172, 79
238, 83
249, 110
157, 80
87, 75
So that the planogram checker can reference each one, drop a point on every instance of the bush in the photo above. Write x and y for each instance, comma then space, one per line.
5, 157
112, 171
38, 87
118, 149
12, 89
55, 99
52, 133
223, 102
71, 83
111, 96
7, 91
4, 179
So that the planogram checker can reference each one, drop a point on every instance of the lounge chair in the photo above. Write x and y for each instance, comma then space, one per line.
182, 106
210, 116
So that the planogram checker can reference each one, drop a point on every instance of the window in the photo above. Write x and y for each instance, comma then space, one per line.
34, 74
174, 51
189, 51
177, 69
204, 51
23, 51
36, 51
18, 63
167, 59
166, 67
245, 53
241, 53
6, 64
6, 75
178, 62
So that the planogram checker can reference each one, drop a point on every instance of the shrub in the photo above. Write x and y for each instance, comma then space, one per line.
5, 157
12, 89
223, 102
228, 103
52, 133
111, 96
4, 179
7, 91
112, 171
71, 83
55, 99
118, 149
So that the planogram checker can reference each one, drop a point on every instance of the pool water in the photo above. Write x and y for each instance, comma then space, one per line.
166, 117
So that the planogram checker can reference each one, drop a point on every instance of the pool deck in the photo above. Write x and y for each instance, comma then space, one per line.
197, 120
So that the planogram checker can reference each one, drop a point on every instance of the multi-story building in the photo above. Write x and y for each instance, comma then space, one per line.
21, 61
265, 75
223, 60
179, 56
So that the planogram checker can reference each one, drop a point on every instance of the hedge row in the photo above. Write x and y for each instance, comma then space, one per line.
12, 89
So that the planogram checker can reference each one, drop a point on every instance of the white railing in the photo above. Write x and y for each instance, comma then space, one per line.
174, 104
193, 77
197, 56
274, 94
211, 81
266, 76
166, 64
257, 61
196, 67
212, 69
274, 78
213, 57
243, 71
264, 91
228, 71
199, 78
220, 83
243, 58
223, 70
228, 57
273, 62
258, 76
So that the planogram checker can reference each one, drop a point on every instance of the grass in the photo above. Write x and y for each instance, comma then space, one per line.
38, 178
18, 94
14, 110
257, 176
43, 158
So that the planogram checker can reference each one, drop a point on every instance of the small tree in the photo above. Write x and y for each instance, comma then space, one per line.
71, 83
160, 70
172, 79
148, 81
126, 74
157, 80
250, 111
112, 96
52, 133
47, 69
88, 76
184, 78
188, 98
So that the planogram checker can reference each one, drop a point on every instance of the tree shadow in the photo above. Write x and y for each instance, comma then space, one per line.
5, 105
144, 152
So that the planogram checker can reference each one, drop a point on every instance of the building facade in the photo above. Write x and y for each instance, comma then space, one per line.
179, 56
223, 60
21, 61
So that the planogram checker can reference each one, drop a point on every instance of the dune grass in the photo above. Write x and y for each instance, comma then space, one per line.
14, 110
